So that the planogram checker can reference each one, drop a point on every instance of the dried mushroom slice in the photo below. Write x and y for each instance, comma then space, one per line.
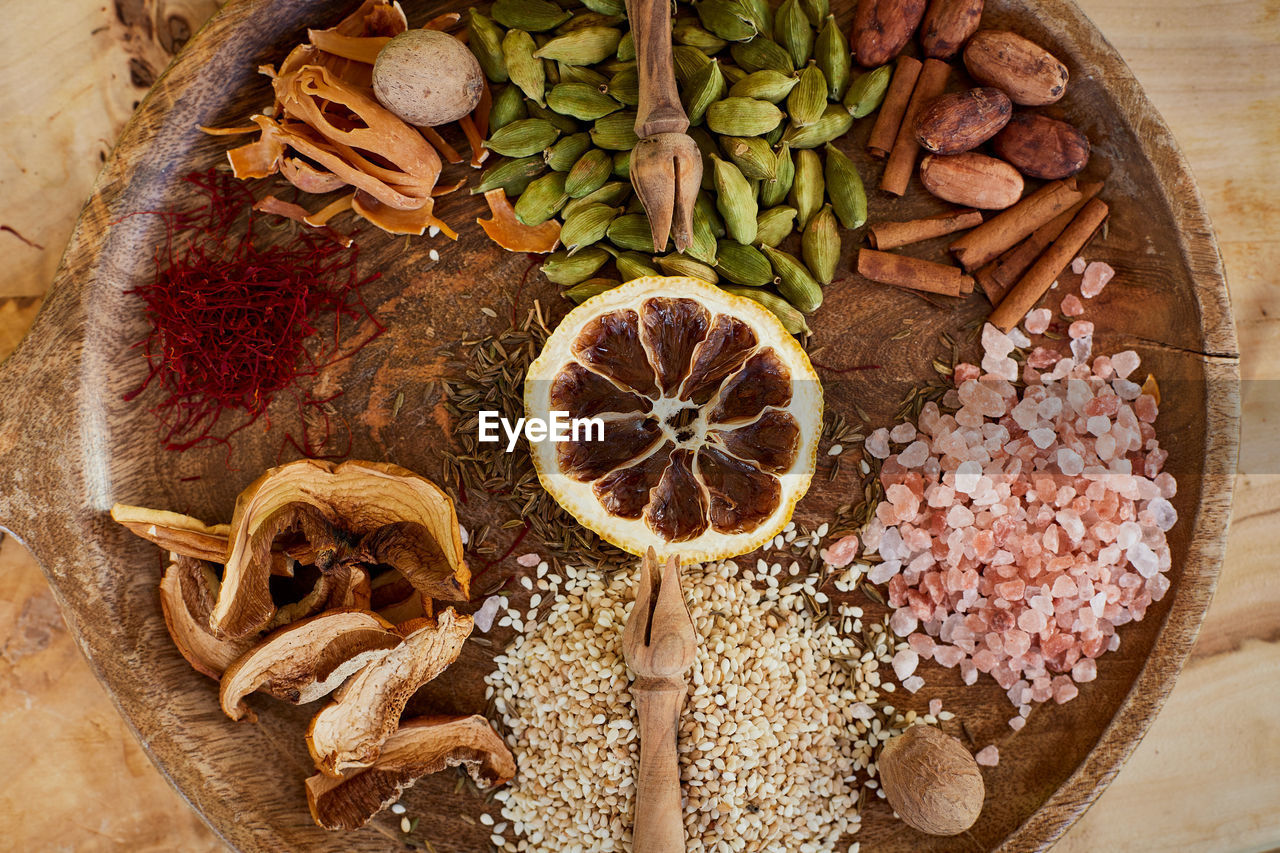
175, 532
336, 510
183, 589
307, 660
350, 731
345, 586
417, 748
713, 466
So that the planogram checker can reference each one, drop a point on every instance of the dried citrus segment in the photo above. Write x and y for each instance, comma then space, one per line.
711, 414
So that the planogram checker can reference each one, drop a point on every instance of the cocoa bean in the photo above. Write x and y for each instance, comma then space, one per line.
1024, 70
961, 121
882, 28
1042, 147
947, 26
971, 180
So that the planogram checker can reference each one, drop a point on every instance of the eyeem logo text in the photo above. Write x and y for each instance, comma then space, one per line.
560, 428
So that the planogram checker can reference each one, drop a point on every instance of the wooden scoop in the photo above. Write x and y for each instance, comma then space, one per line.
659, 644
666, 166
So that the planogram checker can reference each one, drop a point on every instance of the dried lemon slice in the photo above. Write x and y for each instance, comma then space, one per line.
711, 416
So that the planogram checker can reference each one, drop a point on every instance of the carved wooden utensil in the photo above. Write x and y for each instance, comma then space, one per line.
666, 166
659, 644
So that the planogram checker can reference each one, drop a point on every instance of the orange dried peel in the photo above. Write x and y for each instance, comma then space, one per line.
509, 233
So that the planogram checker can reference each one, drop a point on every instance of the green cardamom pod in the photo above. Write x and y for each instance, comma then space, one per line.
816, 11
622, 164
775, 225
589, 19
627, 47
631, 232
688, 62
625, 87
485, 41
563, 123
794, 282
613, 65
761, 54
726, 19
582, 101
616, 8
524, 70
706, 147
508, 106
732, 73
512, 176
808, 99
704, 206
586, 46
633, 265
742, 117
551, 71
685, 31
791, 30
522, 138
867, 92
820, 245
832, 54
566, 152
752, 155
563, 269
766, 85
792, 320
534, 16
583, 74
844, 185
616, 132
703, 245
542, 199
705, 88
808, 187
774, 191
589, 173
835, 122
774, 136
580, 293
744, 265
759, 13
587, 226
613, 194
683, 265
735, 201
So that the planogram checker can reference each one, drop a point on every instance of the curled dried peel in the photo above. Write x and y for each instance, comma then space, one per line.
307, 660
340, 511
183, 588
511, 234
418, 747
350, 732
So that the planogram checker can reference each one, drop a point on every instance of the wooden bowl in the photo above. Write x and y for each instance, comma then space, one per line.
72, 447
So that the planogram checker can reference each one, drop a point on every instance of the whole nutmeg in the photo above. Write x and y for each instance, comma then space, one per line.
427, 78
932, 781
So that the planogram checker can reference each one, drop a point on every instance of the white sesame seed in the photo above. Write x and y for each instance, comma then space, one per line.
434, 255
405, 825
485, 818
397, 808
836, 450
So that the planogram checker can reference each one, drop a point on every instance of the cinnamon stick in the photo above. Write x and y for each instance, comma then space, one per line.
1003, 273
913, 273
891, 235
894, 106
902, 159
1027, 292
1006, 230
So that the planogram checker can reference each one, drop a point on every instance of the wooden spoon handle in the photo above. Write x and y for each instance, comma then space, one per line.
659, 826
659, 110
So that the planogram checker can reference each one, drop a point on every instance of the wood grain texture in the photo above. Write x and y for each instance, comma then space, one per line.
1248, 599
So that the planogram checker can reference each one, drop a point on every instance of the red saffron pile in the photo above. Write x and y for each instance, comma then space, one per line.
231, 317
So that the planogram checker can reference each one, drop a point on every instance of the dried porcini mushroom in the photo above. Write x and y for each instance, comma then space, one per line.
419, 747
346, 586
187, 592
362, 513
307, 660
175, 532
349, 733
932, 781
394, 598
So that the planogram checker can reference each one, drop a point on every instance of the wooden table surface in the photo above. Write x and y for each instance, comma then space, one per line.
1207, 777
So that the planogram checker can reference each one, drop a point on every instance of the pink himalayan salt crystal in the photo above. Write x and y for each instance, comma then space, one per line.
905, 663
935, 707
1064, 689
903, 622
995, 342
1096, 277
1080, 329
841, 554
912, 684
902, 433
988, 756
1124, 363
1085, 670
964, 372
528, 560
1017, 723
1072, 306
877, 444
948, 656
1038, 320
1042, 357
1078, 265
914, 455
922, 644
